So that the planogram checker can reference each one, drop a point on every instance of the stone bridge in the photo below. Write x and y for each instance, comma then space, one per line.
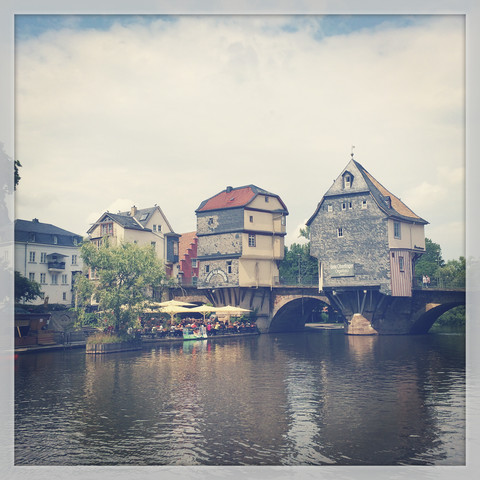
364, 312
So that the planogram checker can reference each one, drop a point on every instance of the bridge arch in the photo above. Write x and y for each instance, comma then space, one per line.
423, 319
291, 312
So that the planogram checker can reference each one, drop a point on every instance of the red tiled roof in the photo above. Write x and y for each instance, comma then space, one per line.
235, 198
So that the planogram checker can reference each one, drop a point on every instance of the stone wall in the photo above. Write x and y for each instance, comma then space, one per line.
361, 256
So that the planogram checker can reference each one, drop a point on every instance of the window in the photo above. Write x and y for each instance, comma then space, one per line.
348, 181
397, 233
54, 279
144, 217
194, 281
64, 296
339, 232
55, 239
64, 279
210, 221
344, 205
75, 240
251, 218
159, 228
154, 228
266, 199
364, 204
350, 205
229, 266
31, 237
153, 244
175, 248
329, 208
43, 257
284, 220
194, 263
74, 259
32, 257
401, 264
43, 278
31, 277
107, 229
207, 268
251, 240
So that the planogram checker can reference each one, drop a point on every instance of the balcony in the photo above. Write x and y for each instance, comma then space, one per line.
56, 266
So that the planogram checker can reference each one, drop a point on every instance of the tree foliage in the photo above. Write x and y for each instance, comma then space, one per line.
17, 177
297, 266
25, 290
430, 261
123, 279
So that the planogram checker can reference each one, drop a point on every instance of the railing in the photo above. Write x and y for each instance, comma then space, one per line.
56, 265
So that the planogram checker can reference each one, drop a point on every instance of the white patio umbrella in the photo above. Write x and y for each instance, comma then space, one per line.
174, 303
172, 310
231, 310
204, 309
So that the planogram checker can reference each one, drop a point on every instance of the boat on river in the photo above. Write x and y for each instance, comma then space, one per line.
197, 334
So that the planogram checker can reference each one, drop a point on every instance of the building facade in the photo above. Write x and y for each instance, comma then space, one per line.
188, 259
240, 238
364, 236
49, 256
147, 226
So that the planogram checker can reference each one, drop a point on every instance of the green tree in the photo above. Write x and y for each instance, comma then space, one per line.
452, 274
123, 279
17, 177
297, 266
25, 290
430, 261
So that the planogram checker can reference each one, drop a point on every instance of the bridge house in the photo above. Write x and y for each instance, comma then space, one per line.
240, 238
364, 236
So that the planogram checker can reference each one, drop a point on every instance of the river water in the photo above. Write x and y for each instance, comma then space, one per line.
290, 399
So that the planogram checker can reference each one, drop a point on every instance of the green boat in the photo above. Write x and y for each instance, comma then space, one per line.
199, 334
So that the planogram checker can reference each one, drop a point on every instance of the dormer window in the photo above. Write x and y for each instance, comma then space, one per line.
347, 180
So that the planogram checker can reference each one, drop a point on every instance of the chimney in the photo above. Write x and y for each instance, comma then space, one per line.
35, 220
133, 211
229, 189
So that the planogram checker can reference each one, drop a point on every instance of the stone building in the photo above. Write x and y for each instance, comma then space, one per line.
240, 238
364, 236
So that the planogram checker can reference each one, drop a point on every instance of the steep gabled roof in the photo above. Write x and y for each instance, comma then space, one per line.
138, 221
185, 241
364, 182
235, 198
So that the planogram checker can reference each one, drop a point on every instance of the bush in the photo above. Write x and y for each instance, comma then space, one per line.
103, 338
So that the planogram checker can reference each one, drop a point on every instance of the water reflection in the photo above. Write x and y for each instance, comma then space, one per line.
286, 399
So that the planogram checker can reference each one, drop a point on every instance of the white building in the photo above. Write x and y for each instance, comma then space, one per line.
49, 256
147, 226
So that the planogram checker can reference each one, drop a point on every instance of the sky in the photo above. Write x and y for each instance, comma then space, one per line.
119, 110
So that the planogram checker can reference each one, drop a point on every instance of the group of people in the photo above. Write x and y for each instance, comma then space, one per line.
212, 326
426, 281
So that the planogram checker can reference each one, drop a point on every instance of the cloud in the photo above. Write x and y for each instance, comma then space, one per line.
170, 112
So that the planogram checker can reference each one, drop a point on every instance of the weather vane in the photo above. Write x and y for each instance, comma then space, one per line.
353, 146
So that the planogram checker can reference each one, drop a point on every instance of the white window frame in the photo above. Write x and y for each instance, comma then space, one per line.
31, 276
330, 208
43, 257
252, 240
401, 264
43, 278
364, 204
397, 230
31, 257
340, 232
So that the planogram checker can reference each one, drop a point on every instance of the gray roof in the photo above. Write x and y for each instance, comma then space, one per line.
391, 205
33, 231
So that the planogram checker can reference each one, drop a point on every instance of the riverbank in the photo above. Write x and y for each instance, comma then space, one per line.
146, 342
